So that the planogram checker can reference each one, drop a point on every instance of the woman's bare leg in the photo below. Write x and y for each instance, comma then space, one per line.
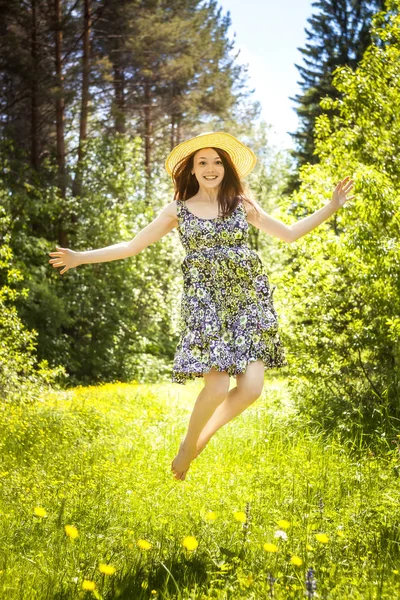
213, 393
249, 386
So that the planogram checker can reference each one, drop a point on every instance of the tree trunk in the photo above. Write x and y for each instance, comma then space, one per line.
119, 98
178, 130
34, 91
147, 137
172, 136
60, 108
77, 185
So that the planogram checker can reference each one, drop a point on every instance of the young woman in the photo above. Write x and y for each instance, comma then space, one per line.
228, 326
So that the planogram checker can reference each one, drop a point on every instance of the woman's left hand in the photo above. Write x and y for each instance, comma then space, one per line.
339, 196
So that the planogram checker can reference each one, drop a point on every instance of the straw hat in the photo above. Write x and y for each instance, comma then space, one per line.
242, 157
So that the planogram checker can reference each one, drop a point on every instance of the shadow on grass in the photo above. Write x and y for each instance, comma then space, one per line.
171, 577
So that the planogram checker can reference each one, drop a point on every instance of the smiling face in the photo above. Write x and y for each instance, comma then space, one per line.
208, 168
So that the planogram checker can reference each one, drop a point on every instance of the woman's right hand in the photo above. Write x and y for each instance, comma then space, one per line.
66, 257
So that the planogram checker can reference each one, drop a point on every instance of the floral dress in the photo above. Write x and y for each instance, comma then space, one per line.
227, 317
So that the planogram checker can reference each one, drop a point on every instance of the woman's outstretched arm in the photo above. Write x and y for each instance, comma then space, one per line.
154, 231
291, 233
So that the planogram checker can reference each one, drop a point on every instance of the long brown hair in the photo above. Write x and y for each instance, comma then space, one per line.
230, 190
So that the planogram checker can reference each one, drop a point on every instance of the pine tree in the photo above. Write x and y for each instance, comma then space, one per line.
170, 67
338, 35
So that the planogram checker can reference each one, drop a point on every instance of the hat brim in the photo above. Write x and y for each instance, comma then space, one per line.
243, 158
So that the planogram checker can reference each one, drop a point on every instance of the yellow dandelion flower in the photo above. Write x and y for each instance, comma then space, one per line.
240, 516
283, 524
322, 537
340, 533
154, 592
296, 560
39, 511
106, 569
144, 544
270, 548
190, 542
210, 516
88, 585
395, 571
309, 548
71, 531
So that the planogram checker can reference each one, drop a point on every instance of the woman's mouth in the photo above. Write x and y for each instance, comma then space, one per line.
210, 177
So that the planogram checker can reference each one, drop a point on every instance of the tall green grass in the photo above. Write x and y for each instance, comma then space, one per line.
98, 459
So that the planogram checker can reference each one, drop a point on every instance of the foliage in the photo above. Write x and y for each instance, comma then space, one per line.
110, 321
341, 284
22, 377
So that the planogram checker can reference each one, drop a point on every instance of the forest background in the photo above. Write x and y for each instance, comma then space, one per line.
93, 96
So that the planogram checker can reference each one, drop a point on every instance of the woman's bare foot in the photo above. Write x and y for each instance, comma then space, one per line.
182, 474
181, 463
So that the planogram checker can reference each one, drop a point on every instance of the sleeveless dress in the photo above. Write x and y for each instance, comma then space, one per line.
227, 316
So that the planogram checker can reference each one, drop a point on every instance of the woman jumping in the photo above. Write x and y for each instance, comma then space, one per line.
228, 323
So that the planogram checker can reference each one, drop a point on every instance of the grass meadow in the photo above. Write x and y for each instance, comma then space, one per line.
89, 507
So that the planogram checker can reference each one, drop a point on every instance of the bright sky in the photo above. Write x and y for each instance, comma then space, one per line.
268, 34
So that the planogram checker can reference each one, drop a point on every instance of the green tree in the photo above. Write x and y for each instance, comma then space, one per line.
338, 35
341, 284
